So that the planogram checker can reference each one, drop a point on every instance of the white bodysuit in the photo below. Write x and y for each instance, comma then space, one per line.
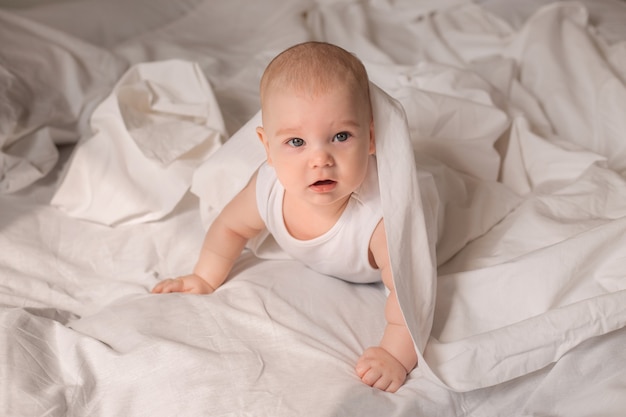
343, 251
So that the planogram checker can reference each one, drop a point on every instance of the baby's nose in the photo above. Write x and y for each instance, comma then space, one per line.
321, 158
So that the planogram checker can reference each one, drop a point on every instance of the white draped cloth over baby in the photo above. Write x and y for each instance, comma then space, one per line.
498, 270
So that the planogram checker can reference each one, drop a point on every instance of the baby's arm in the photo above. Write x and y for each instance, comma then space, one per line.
387, 365
238, 222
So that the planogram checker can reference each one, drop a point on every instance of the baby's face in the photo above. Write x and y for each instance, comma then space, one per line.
318, 144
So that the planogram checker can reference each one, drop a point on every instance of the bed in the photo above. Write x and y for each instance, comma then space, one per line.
124, 128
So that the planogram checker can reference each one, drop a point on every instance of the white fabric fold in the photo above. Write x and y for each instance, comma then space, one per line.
46, 96
160, 122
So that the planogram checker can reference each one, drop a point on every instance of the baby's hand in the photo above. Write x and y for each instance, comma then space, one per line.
379, 369
189, 283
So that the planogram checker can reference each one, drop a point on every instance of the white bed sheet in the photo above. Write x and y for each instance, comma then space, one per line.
81, 335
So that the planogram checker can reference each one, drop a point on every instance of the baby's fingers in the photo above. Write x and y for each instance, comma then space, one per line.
370, 375
378, 369
378, 378
168, 285
362, 366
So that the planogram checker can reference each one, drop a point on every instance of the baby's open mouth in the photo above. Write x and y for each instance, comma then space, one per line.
324, 182
323, 186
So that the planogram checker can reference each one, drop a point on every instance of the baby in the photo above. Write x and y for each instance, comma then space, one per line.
317, 193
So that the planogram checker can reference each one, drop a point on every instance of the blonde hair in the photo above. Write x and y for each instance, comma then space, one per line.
314, 68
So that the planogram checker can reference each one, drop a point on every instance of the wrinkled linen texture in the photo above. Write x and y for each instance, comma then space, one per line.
500, 155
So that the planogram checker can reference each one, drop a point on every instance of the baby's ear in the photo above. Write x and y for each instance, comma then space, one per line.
260, 132
372, 149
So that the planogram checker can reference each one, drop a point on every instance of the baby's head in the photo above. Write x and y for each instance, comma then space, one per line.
313, 68
317, 128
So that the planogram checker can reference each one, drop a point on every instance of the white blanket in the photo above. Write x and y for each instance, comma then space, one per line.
450, 197
504, 202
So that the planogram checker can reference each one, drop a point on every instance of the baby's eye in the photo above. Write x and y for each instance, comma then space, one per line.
341, 136
295, 142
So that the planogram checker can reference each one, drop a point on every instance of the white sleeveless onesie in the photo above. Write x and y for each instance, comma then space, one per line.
341, 252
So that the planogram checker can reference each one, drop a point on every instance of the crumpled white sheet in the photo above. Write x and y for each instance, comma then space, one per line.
46, 96
431, 212
159, 123
279, 335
